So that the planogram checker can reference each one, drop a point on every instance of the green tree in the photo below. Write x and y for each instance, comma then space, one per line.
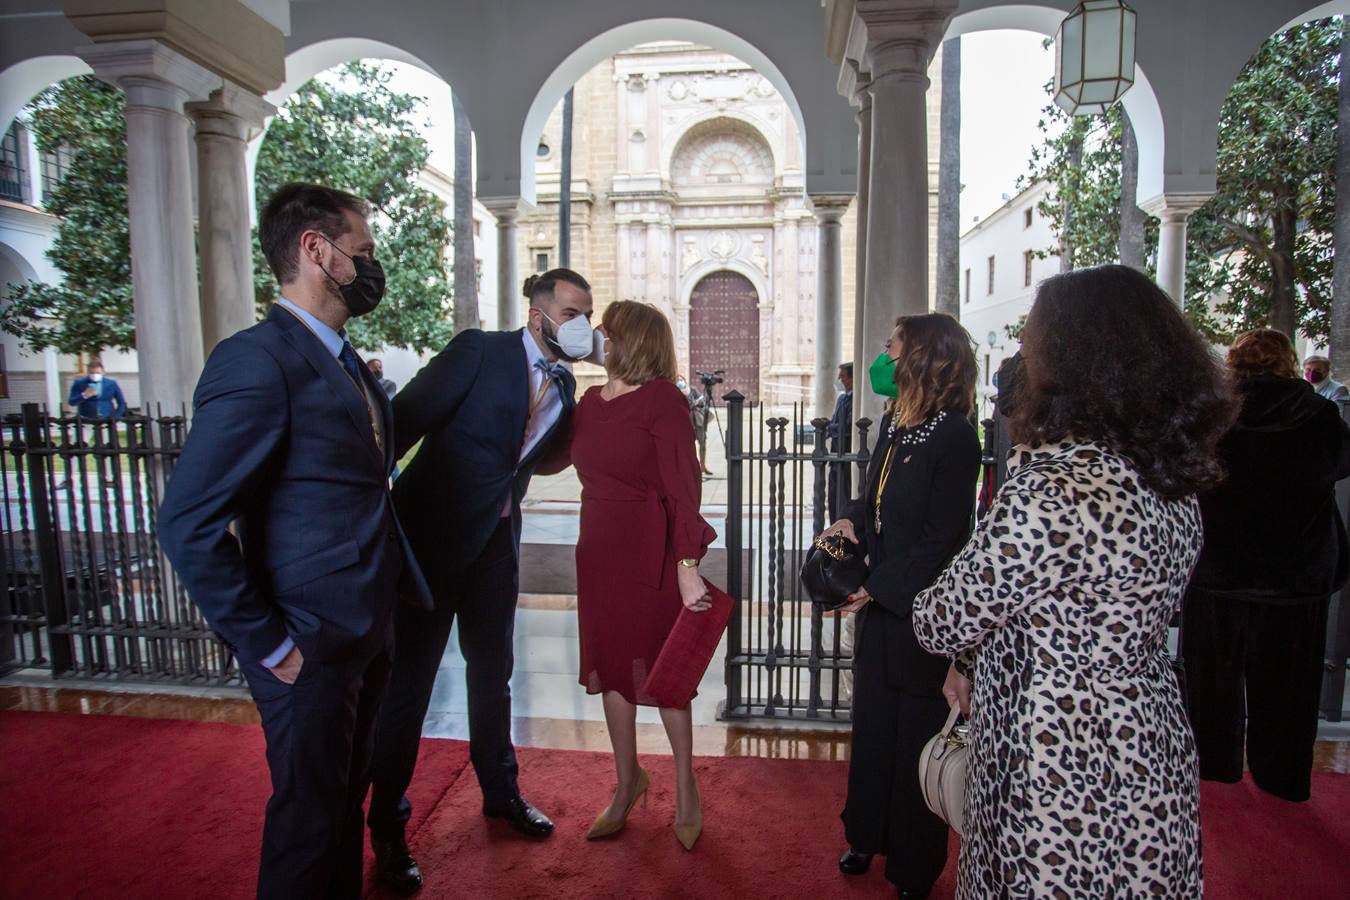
1259, 252
355, 133
92, 308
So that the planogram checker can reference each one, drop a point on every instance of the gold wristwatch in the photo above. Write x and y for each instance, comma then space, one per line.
689, 563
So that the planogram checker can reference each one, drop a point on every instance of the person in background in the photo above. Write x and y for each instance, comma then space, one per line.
387, 385
489, 409
639, 548
698, 417
1254, 627
912, 517
95, 395
1082, 768
840, 433
1317, 371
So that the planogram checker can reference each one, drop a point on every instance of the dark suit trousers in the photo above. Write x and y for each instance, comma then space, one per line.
484, 599
1254, 667
885, 811
319, 735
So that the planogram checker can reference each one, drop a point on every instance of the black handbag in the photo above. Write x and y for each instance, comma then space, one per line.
834, 569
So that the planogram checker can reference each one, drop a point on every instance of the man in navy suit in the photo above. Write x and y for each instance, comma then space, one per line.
96, 395
488, 409
292, 440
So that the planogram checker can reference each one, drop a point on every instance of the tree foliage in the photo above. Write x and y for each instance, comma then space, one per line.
1259, 252
92, 308
355, 133
352, 132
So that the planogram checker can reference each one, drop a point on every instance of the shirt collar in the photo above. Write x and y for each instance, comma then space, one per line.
332, 340
532, 352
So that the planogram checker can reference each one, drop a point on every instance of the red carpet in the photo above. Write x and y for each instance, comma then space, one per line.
101, 806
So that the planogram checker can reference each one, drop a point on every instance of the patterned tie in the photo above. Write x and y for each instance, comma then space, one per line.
349, 362
553, 371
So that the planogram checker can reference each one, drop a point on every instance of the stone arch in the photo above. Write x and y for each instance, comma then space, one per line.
622, 37
689, 280
1141, 102
721, 150
739, 123
24, 80
11, 258
305, 62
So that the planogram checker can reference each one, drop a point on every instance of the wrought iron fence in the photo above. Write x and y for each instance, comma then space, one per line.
785, 658
87, 591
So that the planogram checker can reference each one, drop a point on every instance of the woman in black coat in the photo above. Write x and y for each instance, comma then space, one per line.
913, 518
1275, 550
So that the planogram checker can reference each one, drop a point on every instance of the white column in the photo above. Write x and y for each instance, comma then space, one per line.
1172, 211
862, 354
157, 82
224, 126
507, 211
898, 50
829, 209
51, 373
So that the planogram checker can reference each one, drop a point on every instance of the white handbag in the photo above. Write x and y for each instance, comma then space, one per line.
942, 771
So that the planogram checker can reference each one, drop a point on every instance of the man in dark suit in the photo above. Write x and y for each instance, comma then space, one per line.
488, 409
292, 440
840, 432
96, 395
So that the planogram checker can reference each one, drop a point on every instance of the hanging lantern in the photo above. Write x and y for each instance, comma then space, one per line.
1094, 57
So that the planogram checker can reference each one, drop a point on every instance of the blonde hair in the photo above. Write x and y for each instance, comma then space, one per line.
642, 346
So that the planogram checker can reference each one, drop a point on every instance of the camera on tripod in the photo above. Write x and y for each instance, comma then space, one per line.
711, 378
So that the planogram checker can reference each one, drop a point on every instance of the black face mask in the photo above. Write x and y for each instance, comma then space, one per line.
364, 292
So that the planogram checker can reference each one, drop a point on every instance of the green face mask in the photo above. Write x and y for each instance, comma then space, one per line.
882, 374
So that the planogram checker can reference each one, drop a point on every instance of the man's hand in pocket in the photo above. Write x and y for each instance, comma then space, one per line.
289, 668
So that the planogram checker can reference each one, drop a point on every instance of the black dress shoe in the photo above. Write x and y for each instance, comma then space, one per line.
395, 866
521, 816
854, 863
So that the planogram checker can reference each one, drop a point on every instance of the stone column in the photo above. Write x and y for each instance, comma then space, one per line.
1173, 210
829, 209
862, 354
157, 82
225, 123
507, 211
899, 46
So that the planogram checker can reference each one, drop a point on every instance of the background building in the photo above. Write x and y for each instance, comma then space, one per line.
688, 192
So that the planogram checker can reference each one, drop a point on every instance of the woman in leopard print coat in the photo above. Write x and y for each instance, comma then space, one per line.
1082, 774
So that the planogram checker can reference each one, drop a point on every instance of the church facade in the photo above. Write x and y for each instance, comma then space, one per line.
688, 192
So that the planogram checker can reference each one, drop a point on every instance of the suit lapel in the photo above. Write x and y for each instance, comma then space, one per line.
308, 345
566, 385
518, 377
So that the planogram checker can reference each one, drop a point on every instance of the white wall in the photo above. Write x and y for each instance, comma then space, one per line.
1004, 236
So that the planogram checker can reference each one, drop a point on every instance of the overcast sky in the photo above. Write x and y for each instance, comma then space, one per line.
1002, 79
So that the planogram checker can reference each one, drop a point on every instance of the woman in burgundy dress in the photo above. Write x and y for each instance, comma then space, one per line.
640, 545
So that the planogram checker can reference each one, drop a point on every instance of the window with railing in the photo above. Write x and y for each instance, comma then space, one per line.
54, 168
13, 175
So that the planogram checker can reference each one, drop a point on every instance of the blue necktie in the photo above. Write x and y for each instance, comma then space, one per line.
553, 371
348, 359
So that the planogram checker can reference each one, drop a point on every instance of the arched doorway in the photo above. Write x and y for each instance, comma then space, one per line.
724, 332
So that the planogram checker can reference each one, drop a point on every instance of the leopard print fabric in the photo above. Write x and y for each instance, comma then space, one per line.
1082, 777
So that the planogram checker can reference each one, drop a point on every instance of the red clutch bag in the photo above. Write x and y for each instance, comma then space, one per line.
688, 649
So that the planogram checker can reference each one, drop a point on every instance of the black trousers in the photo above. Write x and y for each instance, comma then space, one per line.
483, 597
885, 812
319, 735
1257, 665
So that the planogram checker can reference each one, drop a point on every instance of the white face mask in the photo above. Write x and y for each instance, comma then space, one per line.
96, 377
597, 356
574, 338
682, 385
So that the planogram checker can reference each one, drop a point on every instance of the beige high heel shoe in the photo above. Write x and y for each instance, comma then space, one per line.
687, 835
604, 827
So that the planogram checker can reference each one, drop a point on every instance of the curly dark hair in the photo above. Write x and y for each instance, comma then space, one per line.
1110, 358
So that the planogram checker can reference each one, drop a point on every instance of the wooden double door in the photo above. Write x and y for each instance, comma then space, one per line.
724, 333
